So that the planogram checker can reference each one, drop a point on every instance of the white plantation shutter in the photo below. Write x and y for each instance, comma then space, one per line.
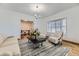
57, 25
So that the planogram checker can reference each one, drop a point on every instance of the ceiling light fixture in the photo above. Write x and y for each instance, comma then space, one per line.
37, 9
36, 15
37, 12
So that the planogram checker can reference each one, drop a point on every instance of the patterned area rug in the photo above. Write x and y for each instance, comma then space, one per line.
46, 50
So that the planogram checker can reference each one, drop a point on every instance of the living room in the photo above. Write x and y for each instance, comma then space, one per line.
18, 20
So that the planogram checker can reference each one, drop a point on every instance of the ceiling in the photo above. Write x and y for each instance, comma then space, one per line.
45, 9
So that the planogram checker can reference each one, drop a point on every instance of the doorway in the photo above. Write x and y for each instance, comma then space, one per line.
26, 28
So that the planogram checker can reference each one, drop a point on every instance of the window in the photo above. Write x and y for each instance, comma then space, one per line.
57, 25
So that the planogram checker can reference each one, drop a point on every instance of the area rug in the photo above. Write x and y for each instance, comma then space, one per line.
46, 50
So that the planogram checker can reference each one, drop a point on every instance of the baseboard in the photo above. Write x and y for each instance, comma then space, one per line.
71, 42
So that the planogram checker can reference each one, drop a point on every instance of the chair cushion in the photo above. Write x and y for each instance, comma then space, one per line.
10, 47
53, 40
56, 38
2, 53
2, 38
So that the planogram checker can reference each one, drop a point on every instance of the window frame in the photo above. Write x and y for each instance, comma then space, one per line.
56, 20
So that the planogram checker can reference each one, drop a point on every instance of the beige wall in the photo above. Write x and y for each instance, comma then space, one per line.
26, 25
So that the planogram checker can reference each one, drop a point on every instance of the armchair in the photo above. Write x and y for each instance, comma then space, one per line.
56, 38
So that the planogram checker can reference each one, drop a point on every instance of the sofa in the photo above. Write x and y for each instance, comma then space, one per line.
9, 46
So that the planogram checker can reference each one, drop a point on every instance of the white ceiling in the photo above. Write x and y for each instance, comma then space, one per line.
49, 8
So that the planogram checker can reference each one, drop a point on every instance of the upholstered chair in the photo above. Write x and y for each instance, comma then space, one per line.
56, 38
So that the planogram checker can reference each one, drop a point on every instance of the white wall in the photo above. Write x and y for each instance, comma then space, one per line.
10, 21
72, 16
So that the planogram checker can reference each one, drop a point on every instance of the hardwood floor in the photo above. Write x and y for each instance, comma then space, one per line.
74, 48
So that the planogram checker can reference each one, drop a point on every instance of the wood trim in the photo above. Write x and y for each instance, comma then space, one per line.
71, 42
26, 21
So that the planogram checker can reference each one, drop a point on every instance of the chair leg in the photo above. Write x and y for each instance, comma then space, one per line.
55, 44
41, 44
61, 43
